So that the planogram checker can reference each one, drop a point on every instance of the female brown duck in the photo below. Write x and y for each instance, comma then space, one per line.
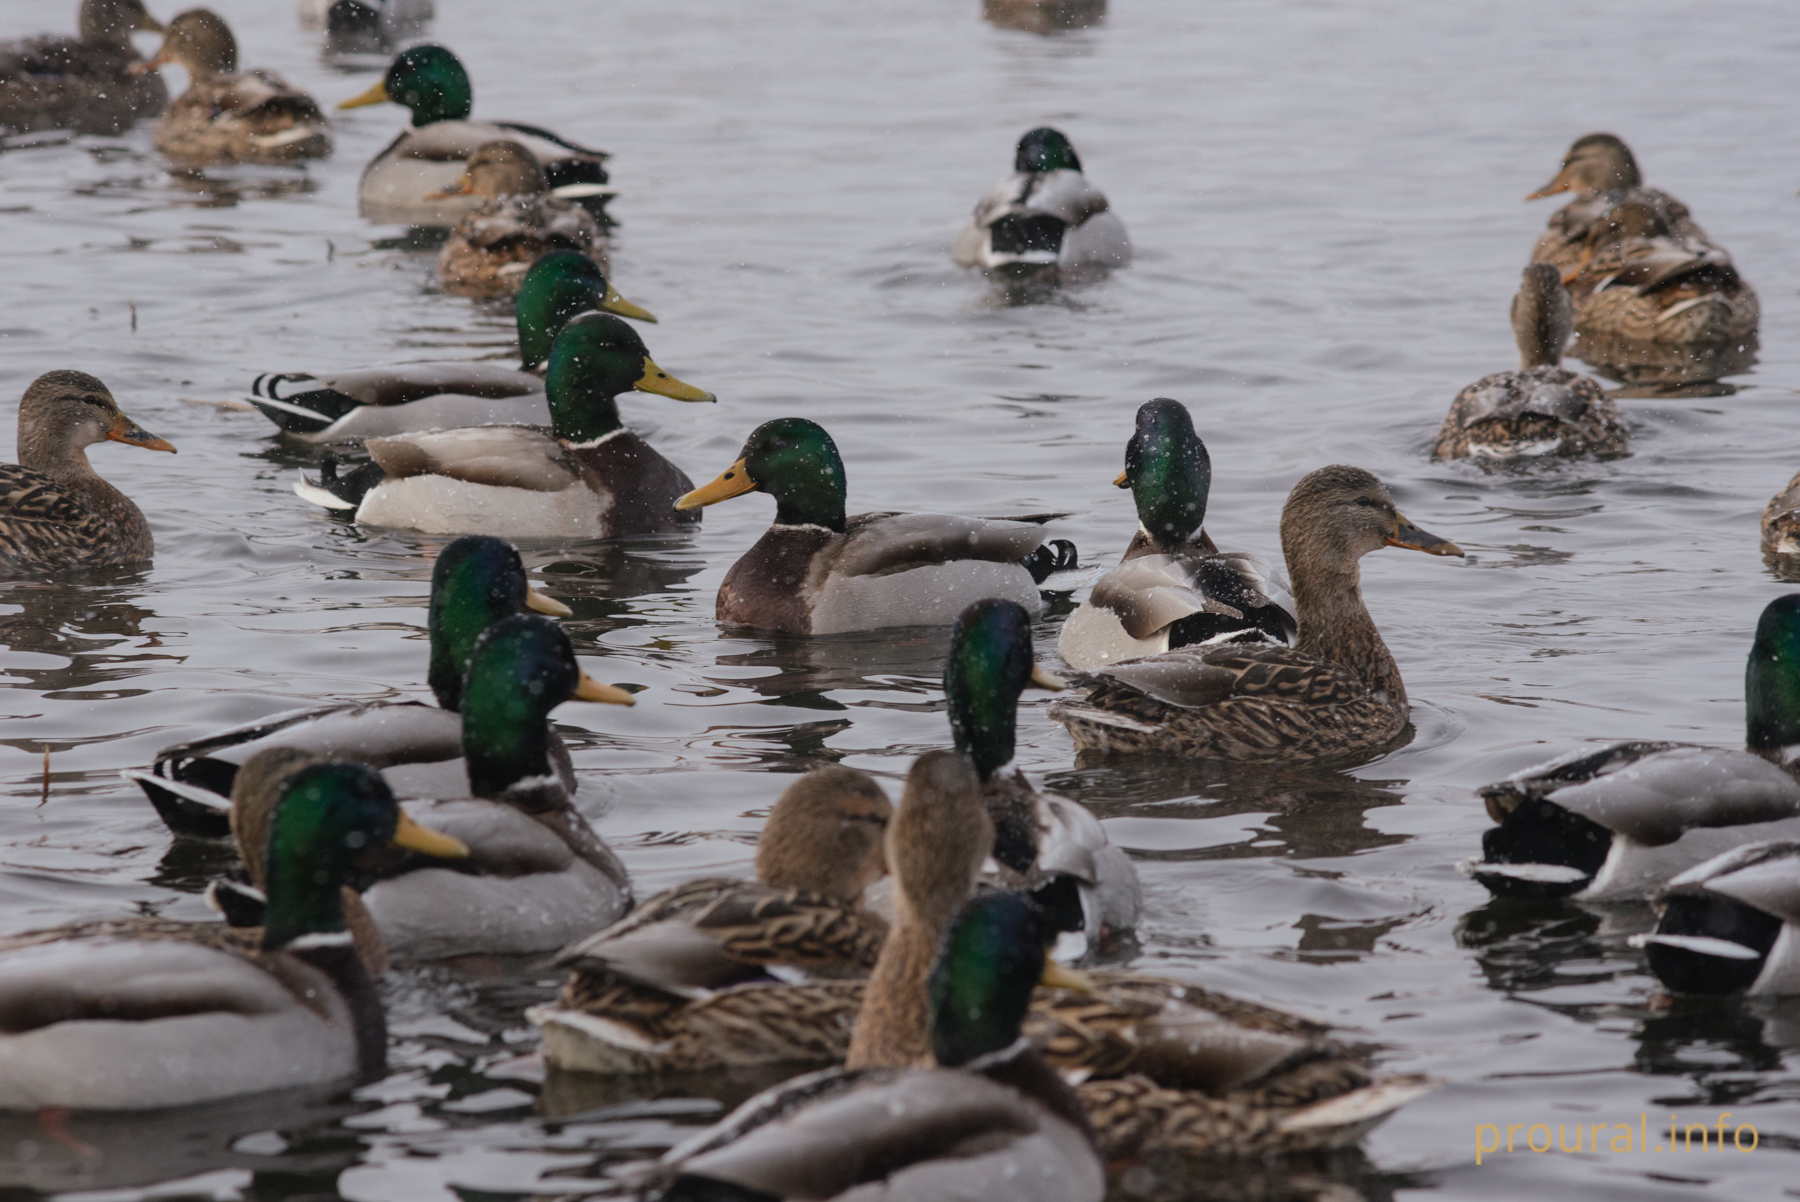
491, 249
1337, 691
56, 512
83, 83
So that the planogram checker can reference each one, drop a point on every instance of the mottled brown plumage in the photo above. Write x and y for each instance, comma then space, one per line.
1781, 521
1337, 691
228, 116
83, 83
56, 513
491, 248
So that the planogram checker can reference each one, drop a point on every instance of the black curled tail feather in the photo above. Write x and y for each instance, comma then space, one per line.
1055, 555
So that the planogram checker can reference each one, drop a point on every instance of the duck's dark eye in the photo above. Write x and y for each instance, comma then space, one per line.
94, 400
1365, 502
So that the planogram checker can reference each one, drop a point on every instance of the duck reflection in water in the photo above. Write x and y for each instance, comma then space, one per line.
82, 618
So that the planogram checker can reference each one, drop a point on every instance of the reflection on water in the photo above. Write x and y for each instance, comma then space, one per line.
80, 621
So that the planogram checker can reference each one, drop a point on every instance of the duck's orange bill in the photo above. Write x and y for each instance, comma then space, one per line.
375, 95
589, 689
462, 187
163, 57
734, 481
426, 841
1559, 184
1414, 539
127, 431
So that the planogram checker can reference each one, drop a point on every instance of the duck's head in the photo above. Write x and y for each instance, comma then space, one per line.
1595, 163
593, 360
476, 581
938, 838
522, 668
112, 22
1339, 514
794, 461
64, 412
825, 834
330, 820
993, 957
499, 168
990, 664
1045, 149
1168, 472
1543, 316
428, 80
199, 40
1772, 681
560, 285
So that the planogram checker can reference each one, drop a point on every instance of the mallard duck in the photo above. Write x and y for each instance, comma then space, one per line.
1044, 16
1781, 521
1731, 924
1335, 692
1540, 409
404, 184
353, 405
57, 513
1619, 823
141, 1013
1047, 845
817, 572
988, 1119
475, 582
491, 248
1637, 266
586, 477
227, 115
364, 27
1172, 588
657, 991
1045, 213
84, 83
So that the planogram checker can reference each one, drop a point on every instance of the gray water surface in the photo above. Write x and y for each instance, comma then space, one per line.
1325, 203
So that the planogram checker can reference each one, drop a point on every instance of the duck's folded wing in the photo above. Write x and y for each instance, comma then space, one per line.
1763, 875
129, 980
1209, 673
502, 456
378, 735
502, 841
258, 96
1510, 395
1654, 800
1151, 591
882, 543
30, 498
399, 384
1064, 194
1649, 263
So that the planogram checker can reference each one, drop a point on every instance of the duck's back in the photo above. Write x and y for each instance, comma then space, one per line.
65, 83
47, 525
399, 185
1534, 411
248, 117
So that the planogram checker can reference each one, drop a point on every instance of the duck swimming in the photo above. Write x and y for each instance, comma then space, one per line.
1540, 409
517, 222
371, 402
1172, 587
1619, 823
84, 83
228, 116
1335, 692
1045, 213
405, 184
816, 571
586, 477
57, 514
1731, 924
1636, 264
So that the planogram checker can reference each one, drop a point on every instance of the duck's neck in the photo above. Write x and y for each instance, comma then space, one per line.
1335, 625
69, 467
505, 739
344, 965
893, 1030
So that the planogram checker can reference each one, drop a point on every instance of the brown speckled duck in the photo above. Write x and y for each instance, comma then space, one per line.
228, 116
1781, 521
491, 248
1335, 692
1638, 267
1540, 409
56, 512
82, 83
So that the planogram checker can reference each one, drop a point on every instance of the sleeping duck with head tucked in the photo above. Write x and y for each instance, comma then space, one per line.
1045, 214
818, 571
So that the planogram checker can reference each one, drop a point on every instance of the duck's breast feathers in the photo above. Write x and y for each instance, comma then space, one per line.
1542, 391
524, 457
1654, 799
643, 485
1239, 666
880, 544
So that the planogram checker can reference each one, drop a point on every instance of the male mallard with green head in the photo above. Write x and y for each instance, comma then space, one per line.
406, 183
56, 513
1638, 267
350, 406
1172, 587
517, 222
143, 1013
587, 477
1540, 409
1335, 692
817, 571
1045, 213
227, 115
84, 83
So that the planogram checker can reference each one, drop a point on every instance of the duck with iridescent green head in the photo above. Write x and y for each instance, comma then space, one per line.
1172, 587
818, 571
586, 477
349, 406
411, 182
1045, 214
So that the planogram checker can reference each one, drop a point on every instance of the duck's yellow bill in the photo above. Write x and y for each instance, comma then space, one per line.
1414, 539
127, 431
426, 841
734, 481
538, 603
614, 303
656, 380
1043, 678
1058, 976
589, 689
1123, 479
375, 95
